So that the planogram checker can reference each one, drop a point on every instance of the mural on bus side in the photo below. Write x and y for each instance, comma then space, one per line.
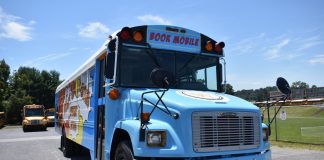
74, 104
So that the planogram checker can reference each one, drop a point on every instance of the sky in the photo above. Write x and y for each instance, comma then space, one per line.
264, 39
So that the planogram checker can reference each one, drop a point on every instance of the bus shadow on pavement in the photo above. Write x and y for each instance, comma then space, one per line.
83, 154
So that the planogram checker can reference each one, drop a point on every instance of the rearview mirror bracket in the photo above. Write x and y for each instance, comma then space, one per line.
111, 61
283, 87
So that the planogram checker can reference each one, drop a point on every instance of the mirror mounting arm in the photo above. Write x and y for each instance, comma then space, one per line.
224, 62
166, 110
283, 87
283, 100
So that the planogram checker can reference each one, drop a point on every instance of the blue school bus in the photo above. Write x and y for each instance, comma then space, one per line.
155, 91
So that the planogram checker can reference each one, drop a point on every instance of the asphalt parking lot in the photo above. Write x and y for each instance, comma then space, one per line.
36, 145
39, 145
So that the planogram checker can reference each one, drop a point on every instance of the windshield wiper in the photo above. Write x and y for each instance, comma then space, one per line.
149, 52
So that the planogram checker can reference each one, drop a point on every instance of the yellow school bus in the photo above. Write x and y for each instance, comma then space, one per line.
34, 117
49, 115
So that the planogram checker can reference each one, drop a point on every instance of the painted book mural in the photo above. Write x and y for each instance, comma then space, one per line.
75, 105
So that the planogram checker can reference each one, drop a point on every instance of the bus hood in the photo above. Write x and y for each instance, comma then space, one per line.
193, 100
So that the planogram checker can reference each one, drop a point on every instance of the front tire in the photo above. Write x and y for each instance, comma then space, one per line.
124, 151
24, 128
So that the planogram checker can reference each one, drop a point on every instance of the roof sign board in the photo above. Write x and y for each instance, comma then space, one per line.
173, 38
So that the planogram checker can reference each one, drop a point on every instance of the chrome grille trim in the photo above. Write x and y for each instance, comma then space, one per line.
224, 131
34, 122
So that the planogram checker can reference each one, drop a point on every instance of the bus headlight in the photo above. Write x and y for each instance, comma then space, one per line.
44, 121
26, 121
265, 134
156, 138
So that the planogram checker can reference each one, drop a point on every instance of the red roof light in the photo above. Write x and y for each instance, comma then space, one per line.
125, 33
219, 47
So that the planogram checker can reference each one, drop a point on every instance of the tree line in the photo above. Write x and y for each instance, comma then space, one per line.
27, 85
262, 94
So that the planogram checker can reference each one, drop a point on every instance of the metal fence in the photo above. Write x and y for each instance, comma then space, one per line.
302, 124
300, 93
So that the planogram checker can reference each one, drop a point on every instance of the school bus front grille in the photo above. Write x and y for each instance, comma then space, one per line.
225, 131
35, 122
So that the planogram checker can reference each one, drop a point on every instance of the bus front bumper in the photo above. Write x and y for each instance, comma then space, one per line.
261, 156
266, 155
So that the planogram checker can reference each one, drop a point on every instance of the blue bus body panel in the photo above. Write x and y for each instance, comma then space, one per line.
123, 114
78, 114
76, 105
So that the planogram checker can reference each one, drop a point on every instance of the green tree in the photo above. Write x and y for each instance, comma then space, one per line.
4, 76
14, 106
299, 84
245, 94
49, 82
258, 95
229, 89
30, 86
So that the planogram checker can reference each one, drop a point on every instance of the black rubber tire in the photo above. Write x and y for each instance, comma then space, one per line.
24, 128
66, 146
124, 151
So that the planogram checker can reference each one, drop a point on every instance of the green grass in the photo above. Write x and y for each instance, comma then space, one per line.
304, 124
297, 145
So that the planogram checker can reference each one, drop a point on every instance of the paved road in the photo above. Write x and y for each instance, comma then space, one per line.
296, 154
40, 145
37, 145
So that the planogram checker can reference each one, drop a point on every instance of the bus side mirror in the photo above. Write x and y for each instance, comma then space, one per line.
110, 59
110, 65
112, 45
162, 78
283, 86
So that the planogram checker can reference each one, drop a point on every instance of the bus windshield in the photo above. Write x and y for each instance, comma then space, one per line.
49, 113
34, 112
192, 71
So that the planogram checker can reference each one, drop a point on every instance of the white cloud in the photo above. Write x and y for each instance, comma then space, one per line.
12, 29
32, 22
274, 51
318, 59
309, 42
248, 45
283, 47
43, 59
94, 30
17, 31
148, 18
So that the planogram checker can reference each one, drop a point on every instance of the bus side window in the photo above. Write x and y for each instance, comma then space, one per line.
91, 80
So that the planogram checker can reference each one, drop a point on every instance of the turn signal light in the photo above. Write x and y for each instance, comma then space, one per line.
113, 94
265, 134
137, 36
209, 46
145, 117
